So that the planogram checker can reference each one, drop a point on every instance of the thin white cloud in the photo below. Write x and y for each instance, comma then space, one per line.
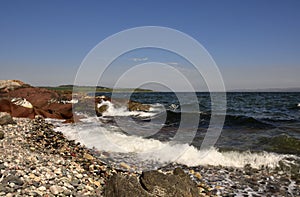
172, 63
138, 59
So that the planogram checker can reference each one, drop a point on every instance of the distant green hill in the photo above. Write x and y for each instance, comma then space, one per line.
86, 89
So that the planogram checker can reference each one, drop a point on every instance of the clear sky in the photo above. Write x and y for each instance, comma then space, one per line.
255, 43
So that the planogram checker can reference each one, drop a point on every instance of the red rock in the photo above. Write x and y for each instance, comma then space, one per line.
19, 111
5, 106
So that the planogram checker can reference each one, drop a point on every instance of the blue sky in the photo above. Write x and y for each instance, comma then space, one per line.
256, 43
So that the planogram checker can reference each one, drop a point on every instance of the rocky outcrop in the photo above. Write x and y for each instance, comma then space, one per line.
152, 183
22, 100
8, 85
27, 101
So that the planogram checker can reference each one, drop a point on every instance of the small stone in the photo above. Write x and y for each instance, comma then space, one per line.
54, 189
97, 183
31, 176
79, 176
37, 179
12, 185
67, 192
42, 188
89, 188
9, 195
124, 165
1, 135
57, 171
198, 175
2, 166
88, 156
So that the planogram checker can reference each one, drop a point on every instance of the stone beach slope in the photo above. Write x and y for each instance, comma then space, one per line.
37, 161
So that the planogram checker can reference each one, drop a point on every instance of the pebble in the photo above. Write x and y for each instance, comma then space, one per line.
79, 176
124, 165
42, 188
54, 189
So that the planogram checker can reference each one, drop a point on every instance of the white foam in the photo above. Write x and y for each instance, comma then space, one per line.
298, 105
123, 111
73, 101
104, 139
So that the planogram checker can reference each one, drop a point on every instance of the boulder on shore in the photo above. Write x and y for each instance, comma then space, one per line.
5, 118
152, 183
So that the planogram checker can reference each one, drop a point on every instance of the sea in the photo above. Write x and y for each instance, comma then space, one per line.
260, 129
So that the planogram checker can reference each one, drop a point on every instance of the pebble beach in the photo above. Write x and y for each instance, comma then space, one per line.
35, 160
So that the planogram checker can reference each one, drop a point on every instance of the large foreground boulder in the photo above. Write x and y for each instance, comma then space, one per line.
152, 183
126, 186
176, 184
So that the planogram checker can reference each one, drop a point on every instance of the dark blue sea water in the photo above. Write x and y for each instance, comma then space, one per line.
260, 129
260, 121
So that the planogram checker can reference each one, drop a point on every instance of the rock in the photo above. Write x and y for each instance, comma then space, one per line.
136, 106
42, 188
152, 183
79, 176
54, 189
88, 156
21, 102
5, 118
1, 136
176, 184
101, 109
31, 101
124, 165
9, 195
8, 85
12, 179
126, 186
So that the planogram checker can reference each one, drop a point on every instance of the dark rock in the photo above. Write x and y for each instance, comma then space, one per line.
136, 106
152, 183
5, 118
2, 167
1, 137
101, 109
125, 186
12, 179
176, 184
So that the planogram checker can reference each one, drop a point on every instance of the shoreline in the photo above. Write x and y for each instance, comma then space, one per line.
35, 160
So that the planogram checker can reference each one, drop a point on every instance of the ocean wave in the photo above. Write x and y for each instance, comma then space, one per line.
113, 111
246, 121
283, 143
153, 152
